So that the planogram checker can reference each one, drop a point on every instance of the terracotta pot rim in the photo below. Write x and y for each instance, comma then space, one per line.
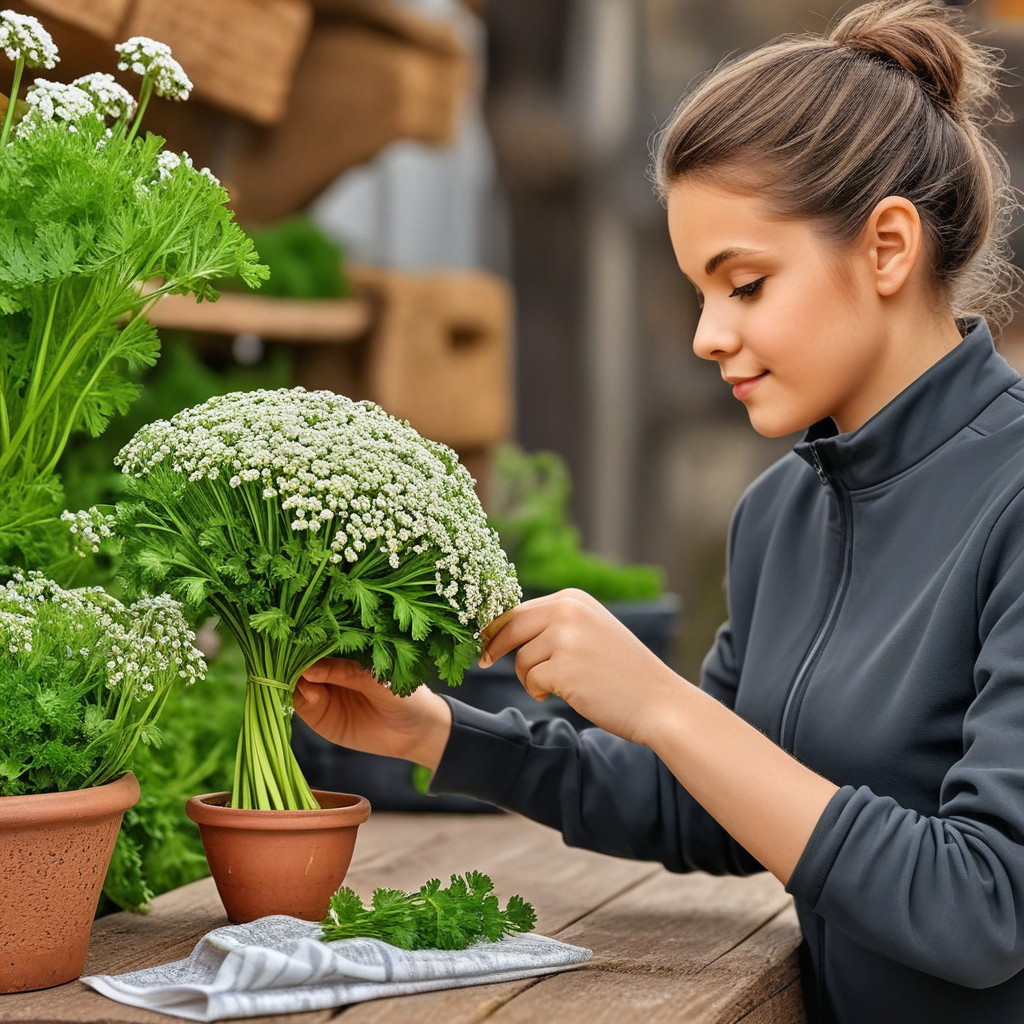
110, 798
209, 809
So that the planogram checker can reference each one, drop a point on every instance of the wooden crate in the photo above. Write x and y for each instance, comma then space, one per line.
361, 85
1005, 10
103, 18
240, 54
308, 321
438, 355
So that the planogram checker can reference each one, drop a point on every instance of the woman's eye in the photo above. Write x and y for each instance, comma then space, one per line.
747, 290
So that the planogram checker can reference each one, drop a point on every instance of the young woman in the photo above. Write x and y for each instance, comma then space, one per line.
859, 725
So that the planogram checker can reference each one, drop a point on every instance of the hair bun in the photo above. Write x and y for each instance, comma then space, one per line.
924, 38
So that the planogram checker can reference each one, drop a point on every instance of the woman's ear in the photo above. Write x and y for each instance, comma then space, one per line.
892, 237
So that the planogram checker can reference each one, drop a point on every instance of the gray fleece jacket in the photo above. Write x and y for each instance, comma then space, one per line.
876, 631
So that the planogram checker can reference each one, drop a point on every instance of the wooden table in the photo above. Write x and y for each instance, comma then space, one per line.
679, 948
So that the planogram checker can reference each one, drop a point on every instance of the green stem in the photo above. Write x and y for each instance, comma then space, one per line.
19, 68
145, 94
38, 372
5, 422
267, 776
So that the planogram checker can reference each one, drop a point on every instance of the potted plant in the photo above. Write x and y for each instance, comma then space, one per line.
83, 679
311, 525
89, 212
528, 506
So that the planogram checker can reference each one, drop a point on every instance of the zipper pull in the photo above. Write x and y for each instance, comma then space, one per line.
819, 468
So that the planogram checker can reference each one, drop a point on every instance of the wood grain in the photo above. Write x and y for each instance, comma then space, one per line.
683, 948
297, 320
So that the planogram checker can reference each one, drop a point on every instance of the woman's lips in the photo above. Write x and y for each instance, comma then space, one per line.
743, 388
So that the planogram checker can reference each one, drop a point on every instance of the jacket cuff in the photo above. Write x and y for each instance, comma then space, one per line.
815, 863
478, 738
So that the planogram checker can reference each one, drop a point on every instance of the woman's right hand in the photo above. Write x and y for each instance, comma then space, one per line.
345, 703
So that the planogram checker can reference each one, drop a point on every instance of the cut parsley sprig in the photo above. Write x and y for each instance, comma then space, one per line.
464, 912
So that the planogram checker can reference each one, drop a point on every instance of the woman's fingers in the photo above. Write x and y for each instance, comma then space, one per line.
310, 701
516, 627
340, 672
532, 658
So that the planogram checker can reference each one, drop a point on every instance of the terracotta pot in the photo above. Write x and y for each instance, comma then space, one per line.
54, 852
278, 862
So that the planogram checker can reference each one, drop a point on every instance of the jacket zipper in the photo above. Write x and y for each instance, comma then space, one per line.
791, 710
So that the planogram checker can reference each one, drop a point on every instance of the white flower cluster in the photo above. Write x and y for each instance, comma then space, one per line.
22, 37
55, 101
110, 98
89, 529
147, 57
368, 481
167, 163
134, 647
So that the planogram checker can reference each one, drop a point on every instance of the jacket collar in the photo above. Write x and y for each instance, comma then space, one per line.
920, 419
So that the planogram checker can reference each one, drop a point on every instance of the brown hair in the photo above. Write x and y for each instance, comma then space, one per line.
894, 101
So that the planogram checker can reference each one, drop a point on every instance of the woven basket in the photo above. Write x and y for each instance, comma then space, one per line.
102, 18
240, 54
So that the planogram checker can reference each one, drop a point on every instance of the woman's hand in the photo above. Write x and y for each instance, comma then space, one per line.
572, 646
345, 703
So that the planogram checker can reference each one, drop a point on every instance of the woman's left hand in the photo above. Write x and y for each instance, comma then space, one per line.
572, 646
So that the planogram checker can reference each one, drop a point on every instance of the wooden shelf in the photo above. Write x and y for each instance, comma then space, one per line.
295, 320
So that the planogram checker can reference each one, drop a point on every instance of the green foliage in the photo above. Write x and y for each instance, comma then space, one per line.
83, 680
311, 526
158, 848
180, 379
303, 262
84, 221
464, 912
528, 507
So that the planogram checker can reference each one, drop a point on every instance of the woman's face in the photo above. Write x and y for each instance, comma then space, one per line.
794, 324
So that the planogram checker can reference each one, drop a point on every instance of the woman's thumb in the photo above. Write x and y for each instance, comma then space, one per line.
307, 695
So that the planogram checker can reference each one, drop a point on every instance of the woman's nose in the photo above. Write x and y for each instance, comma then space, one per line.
714, 338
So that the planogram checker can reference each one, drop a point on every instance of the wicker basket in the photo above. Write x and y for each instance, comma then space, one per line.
358, 88
240, 54
439, 354
103, 18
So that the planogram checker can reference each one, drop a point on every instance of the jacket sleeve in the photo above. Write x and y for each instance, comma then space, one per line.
602, 792
944, 894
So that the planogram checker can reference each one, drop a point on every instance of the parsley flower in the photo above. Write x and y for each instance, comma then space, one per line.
93, 673
150, 59
22, 37
167, 163
312, 525
109, 97
55, 101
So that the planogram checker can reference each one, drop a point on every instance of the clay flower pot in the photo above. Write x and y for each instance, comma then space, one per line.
278, 862
54, 852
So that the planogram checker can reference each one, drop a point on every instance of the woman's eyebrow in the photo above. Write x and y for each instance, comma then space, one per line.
727, 254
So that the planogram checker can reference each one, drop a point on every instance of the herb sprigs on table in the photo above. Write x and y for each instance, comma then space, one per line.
453, 917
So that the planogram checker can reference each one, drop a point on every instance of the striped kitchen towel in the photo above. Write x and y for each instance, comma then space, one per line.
279, 965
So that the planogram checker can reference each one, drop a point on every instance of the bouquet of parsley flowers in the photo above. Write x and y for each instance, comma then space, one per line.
90, 212
311, 525
83, 679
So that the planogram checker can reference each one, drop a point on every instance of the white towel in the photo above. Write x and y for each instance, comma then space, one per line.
279, 965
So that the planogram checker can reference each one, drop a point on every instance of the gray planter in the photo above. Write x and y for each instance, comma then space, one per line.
387, 782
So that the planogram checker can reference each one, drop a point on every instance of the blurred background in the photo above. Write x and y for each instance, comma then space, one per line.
455, 201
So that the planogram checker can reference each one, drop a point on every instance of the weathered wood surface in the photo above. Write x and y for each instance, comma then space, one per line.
298, 320
691, 949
